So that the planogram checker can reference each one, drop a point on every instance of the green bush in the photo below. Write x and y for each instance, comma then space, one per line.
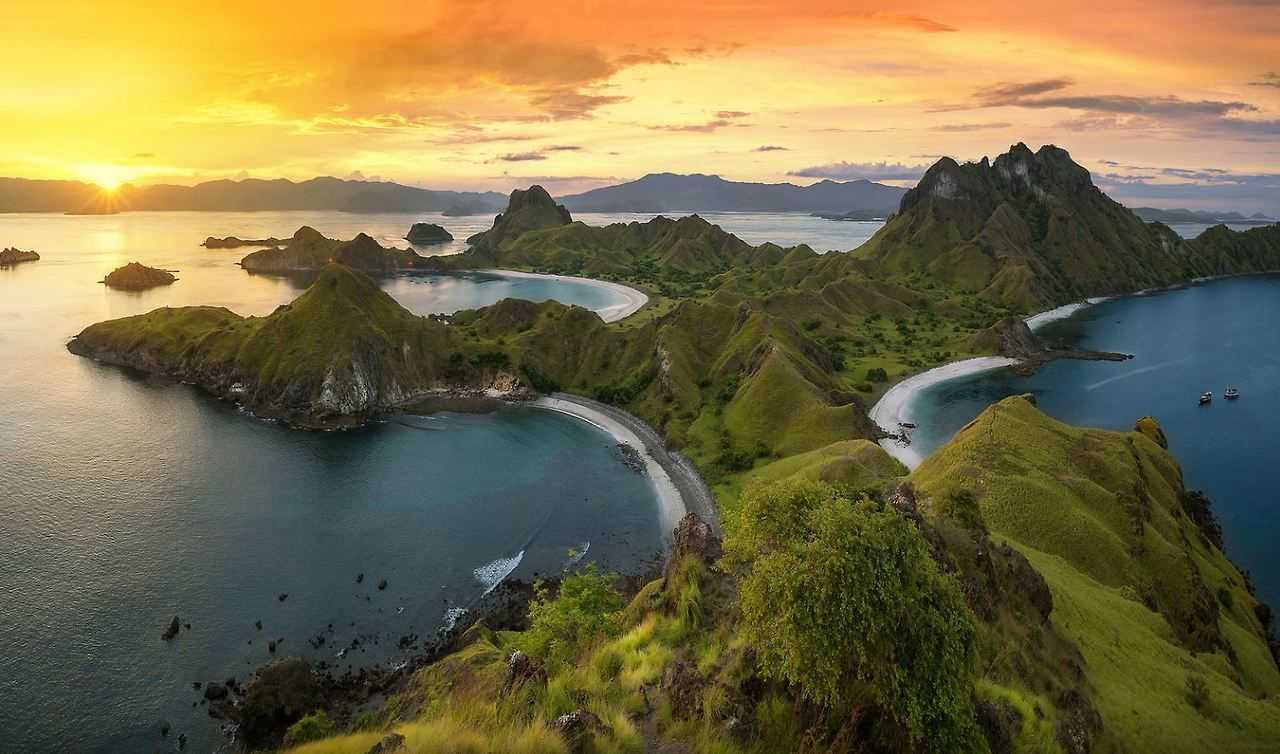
877, 374
842, 599
585, 609
313, 727
1198, 691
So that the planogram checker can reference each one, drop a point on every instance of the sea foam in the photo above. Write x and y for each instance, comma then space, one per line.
492, 574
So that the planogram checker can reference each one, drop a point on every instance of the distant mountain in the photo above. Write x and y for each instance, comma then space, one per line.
671, 192
333, 194
1173, 216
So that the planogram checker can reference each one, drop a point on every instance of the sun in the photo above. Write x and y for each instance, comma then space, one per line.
106, 176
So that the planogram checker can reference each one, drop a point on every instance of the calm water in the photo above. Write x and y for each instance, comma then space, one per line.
1225, 333
124, 502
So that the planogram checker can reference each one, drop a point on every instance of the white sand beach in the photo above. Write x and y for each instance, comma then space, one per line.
632, 302
895, 406
680, 489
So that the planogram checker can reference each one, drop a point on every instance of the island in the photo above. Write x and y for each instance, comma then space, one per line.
309, 251
232, 242
12, 256
1028, 586
138, 277
422, 234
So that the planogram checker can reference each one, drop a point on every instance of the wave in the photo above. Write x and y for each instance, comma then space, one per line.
578, 553
492, 574
452, 616
1136, 372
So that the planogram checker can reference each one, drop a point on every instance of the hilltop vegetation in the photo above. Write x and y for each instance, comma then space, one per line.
1032, 587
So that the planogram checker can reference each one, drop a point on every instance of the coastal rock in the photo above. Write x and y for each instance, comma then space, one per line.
1009, 337
427, 233
276, 698
214, 691
382, 585
174, 626
138, 277
13, 256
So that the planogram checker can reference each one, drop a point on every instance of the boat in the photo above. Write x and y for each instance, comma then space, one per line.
1206, 397
1231, 394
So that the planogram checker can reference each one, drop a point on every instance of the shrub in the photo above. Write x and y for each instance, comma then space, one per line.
842, 599
877, 374
313, 727
586, 609
1197, 691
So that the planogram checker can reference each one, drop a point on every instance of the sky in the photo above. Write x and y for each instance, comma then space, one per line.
1168, 103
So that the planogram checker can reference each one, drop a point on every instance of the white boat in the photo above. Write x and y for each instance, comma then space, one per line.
1231, 394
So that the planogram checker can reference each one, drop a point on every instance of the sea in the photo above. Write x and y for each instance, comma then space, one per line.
1220, 334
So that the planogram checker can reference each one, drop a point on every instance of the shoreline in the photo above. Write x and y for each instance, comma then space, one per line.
680, 487
633, 300
895, 405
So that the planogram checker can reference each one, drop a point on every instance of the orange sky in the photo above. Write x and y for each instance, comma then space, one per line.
495, 94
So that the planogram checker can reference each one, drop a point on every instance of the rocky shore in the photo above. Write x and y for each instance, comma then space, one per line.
12, 256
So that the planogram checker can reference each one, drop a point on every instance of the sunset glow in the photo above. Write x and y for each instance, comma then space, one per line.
578, 94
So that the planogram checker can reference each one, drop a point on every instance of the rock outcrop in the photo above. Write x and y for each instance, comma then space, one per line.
12, 256
309, 251
138, 277
531, 209
427, 233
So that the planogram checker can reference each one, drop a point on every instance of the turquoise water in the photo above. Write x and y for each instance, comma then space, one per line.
124, 502
1221, 334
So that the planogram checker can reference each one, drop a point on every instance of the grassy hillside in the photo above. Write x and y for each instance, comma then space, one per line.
308, 251
1144, 592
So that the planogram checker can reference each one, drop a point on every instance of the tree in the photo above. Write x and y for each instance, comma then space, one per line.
842, 599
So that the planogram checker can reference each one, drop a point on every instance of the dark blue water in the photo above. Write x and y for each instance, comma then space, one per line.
123, 502
1224, 333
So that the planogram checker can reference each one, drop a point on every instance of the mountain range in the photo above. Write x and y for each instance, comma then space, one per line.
669, 192
661, 192
1207, 217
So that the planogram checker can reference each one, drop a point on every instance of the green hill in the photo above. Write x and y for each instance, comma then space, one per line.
1139, 580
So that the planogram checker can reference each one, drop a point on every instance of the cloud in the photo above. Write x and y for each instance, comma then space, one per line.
771, 148
521, 157
648, 57
568, 104
1271, 79
723, 119
1006, 90
876, 171
563, 148
967, 127
143, 156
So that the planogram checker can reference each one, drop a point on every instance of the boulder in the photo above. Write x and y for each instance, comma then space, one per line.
577, 728
214, 691
175, 625
521, 670
276, 698
390, 743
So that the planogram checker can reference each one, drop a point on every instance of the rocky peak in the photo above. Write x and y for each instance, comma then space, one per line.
307, 233
528, 209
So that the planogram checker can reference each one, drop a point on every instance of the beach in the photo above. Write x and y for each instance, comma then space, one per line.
895, 406
679, 486
633, 300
